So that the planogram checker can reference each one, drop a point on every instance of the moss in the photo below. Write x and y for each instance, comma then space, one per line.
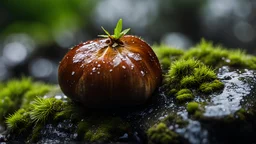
192, 107
172, 92
173, 119
164, 51
210, 87
184, 97
195, 110
204, 73
184, 74
82, 127
167, 54
103, 130
12, 94
184, 91
181, 68
240, 114
19, 92
35, 135
188, 82
165, 63
161, 134
217, 56
18, 121
37, 90
42, 109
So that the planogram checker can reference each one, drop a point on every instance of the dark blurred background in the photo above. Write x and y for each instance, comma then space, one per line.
36, 34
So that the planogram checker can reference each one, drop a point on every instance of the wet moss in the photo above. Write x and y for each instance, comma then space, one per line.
36, 133
43, 109
209, 87
173, 119
195, 110
37, 90
17, 93
187, 75
184, 95
192, 107
162, 134
184, 91
102, 130
217, 56
167, 54
188, 82
18, 122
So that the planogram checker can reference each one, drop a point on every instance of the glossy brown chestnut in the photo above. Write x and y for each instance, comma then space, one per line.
102, 73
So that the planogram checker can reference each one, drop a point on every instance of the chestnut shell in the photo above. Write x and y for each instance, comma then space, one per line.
101, 74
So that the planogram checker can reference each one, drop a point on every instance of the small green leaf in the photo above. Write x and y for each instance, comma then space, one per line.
104, 36
118, 28
105, 31
124, 32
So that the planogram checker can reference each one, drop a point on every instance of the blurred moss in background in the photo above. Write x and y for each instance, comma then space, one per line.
35, 34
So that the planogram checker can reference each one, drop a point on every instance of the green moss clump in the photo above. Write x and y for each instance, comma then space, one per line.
204, 73
17, 93
103, 130
19, 121
184, 74
82, 127
192, 107
12, 94
184, 91
38, 112
42, 109
195, 109
217, 56
188, 82
182, 68
37, 90
210, 87
184, 97
161, 134
167, 54
173, 119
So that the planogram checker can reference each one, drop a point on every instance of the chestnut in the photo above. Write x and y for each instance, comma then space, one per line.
115, 71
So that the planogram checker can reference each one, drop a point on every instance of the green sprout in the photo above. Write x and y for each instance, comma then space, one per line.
118, 33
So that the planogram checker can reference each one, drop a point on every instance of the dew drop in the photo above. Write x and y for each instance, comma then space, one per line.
110, 70
94, 69
132, 67
123, 67
72, 73
98, 72
142, 73
98, 65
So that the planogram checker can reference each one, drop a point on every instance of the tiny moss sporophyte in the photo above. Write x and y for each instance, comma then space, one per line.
113, 71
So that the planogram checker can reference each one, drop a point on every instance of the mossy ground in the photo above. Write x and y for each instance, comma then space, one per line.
31, 111
26, 110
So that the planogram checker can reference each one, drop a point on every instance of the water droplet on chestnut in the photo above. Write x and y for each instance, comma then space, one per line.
142, 73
